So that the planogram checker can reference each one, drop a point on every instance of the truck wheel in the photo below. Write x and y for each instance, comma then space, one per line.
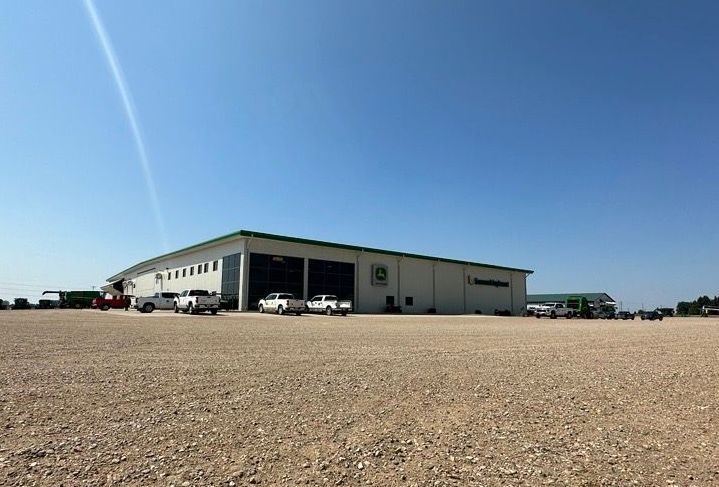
104, 307
569, 315
213, 311
344, 313
537, 315
298, 313
328, 311
280, 310
77, 306
148, 308
553, 315
191, 309
261, 309
177, 308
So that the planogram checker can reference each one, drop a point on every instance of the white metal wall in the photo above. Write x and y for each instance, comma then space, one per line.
432, 284
146, 284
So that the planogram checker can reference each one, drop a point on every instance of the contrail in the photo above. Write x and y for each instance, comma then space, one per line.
114, 64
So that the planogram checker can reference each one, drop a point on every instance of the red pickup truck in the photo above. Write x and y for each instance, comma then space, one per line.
114, 302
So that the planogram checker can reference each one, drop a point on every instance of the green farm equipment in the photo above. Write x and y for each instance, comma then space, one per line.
76, 299
21, 303
580, 305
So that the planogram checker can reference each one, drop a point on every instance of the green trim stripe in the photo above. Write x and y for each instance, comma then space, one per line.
319, 243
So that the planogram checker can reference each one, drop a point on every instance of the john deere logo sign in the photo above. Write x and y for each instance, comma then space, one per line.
379, 275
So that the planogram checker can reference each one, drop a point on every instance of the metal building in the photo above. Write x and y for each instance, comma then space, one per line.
245, 266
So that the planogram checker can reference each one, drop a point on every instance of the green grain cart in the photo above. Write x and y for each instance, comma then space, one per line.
580, 305
76, 299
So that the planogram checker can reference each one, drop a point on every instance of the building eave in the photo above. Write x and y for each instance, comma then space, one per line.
305, 241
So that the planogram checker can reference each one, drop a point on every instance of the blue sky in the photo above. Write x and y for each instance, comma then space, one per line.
578, 139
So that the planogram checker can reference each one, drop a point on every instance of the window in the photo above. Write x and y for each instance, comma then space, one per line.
331, 277
389, 300
205, 266
230, 287
184, 272
214, 266
177, 274
169, 276
192, 270
199, 268
409, 301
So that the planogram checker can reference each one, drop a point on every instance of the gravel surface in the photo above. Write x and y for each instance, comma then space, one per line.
106, 398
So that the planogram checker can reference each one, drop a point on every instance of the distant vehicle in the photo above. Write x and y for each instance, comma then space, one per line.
196, 301
531, 308
604, 313
47, 304
4, 305
21, 303
149, 304
76, 299
624, 315
328, 304
554, 310
652, 315
580, 307
710, 311
281, 303
112, 302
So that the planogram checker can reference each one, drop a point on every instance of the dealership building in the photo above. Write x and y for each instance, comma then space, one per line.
245, 266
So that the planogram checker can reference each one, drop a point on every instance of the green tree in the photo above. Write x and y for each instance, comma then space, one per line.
683, 307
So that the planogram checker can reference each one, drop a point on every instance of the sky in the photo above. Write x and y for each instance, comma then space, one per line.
577, 139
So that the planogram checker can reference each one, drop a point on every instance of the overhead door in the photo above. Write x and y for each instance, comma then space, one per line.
330, 277
274, 274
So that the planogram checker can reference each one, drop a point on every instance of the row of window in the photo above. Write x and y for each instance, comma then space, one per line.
200, 269
408, 300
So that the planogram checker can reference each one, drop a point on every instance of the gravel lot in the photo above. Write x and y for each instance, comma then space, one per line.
93, 398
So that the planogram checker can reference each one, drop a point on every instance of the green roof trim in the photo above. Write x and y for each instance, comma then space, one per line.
319, 243
549, 298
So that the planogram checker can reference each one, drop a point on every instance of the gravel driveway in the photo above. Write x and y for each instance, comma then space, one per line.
104, 398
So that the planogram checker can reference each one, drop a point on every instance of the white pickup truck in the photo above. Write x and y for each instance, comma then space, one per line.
197, 300
148, 304
329, 305
554, 310
281, 303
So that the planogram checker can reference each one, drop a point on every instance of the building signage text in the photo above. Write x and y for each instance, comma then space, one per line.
475, 281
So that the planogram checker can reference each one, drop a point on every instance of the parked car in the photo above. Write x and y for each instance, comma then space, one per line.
605, 313
554, 310
196, 301
328, 304
624, 315
281, 303
112, 302
652, 315
148, 304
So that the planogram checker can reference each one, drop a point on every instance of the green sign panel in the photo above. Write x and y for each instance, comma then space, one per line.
379, 275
